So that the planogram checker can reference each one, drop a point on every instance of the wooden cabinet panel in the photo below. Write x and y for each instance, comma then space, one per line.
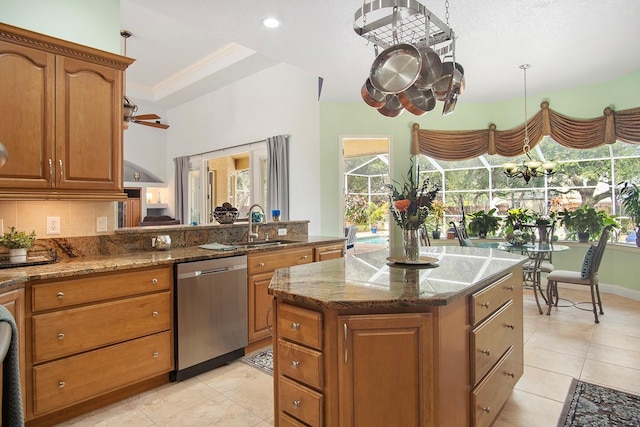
26, 108
300, 325
385, 370
324, 253
88, 289
64, 382
301, 402
13, 301
486, 301
278, 259
301, 364
259, 307
491, 339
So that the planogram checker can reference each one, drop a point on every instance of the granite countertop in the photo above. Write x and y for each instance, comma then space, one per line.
68, 267
370, 280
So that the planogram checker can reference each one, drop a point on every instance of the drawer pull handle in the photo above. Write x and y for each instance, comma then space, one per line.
511, 326
61, 384
485, 305
305, 257
487, 352
295, 364
296, 403
154, 280
510, 374
60, 295
295, 325
510, 288
261, 264
487, 409
154, 314
60, 336
155, 354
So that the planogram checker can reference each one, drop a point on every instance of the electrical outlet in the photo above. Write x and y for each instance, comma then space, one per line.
153, 242
282, 231
53, 225
1, 226
101, 224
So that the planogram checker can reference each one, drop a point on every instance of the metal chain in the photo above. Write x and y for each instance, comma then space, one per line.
446, 8
525, 147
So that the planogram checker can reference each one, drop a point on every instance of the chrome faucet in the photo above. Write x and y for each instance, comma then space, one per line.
251, 234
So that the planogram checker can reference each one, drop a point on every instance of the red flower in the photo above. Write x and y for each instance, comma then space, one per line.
402, 205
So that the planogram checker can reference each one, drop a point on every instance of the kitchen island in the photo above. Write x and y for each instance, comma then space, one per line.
362, 341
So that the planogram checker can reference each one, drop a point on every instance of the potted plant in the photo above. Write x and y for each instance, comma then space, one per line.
481, 223
630, 198
585, 222
436, 215
17, 242
516, 217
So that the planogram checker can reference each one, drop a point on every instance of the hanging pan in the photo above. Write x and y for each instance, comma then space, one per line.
392, 108
372, 96
416, 101
431, 68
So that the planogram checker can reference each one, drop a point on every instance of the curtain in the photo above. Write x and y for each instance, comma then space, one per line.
182, 189
278, 175
572, 133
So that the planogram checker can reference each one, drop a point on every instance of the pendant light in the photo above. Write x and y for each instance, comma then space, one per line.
129, 107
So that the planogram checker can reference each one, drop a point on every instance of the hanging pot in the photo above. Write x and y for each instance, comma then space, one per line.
416, 101
442, 85
430, 70
372, 96
396, 68
392, 107
455, 89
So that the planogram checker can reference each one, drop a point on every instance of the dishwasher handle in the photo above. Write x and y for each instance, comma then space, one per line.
199, 273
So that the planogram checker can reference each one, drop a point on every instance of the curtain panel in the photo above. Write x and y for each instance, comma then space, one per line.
569, 132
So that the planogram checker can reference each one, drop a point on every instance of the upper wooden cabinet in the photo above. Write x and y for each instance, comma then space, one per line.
62, 110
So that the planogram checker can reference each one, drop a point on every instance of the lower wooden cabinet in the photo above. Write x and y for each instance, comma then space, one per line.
13, 301
93, 335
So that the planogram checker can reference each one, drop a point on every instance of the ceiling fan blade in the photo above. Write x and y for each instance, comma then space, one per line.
146, 117
152, 124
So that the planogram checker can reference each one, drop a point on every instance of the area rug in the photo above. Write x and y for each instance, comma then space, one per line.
262, 359
593, 405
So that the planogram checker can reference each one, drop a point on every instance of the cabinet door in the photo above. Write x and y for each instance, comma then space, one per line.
385, 370
259, 305
88, 126
133, 212
26, 112
13, 301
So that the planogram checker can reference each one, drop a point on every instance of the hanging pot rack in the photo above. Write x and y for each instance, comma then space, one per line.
374, 21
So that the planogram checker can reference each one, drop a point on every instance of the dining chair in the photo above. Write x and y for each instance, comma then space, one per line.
424, 236
350, 234
587, 276
461, 232
531, 273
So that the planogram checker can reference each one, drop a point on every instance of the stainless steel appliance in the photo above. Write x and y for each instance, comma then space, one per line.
211, 314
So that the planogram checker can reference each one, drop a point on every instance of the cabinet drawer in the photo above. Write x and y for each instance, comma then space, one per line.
65, 293
301, 364
491, 339
64, 382
278, 259
489, 397
300, 325
300, 402
287, 421
323, 253
79, 329
486, 301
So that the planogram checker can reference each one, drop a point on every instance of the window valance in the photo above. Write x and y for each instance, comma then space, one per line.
572, 133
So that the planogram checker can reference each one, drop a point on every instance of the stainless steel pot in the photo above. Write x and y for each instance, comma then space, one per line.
391, 108
442, 85
372, 96
430, 70
416, 101
455, 89
396, 68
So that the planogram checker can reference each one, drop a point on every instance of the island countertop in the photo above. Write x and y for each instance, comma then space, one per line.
370, 280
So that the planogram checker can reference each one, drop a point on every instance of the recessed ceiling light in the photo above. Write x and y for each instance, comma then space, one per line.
271, 22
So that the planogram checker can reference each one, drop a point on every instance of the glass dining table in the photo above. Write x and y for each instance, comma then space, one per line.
531, 271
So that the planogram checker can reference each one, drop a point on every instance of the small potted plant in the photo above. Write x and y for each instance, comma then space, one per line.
436, 215
17, 242
482, 223
585, 222
630, 198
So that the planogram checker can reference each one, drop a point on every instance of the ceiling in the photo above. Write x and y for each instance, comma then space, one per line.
187, 48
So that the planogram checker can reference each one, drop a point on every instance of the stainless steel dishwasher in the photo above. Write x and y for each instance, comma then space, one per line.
211, 327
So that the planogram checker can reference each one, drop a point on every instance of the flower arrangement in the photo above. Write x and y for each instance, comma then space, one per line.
411, 201
518, 237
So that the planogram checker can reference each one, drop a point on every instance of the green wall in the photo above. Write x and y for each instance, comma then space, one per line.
338, 119
94, 23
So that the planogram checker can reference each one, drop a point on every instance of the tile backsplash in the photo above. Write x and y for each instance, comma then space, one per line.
77, 218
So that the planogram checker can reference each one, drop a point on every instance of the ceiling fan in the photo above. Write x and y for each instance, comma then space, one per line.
130, 108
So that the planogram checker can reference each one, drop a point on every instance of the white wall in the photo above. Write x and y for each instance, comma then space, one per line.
279, 100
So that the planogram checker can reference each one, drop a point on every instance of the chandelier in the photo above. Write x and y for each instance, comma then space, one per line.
529, 168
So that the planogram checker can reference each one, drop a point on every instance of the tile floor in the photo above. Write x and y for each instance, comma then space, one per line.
559, 347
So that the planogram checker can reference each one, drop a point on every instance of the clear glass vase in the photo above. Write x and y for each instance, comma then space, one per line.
411, 244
